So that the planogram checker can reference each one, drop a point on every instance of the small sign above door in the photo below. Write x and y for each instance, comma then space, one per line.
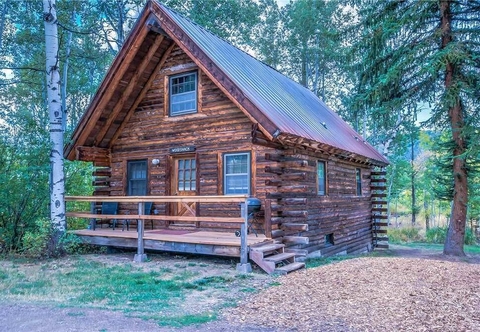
182, 149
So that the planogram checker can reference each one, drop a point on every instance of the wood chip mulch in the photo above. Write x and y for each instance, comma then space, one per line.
370, 294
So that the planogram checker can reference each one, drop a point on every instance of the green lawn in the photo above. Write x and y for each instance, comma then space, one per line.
156, 294
469, 249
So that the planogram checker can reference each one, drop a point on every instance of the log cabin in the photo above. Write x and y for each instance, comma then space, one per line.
182, 112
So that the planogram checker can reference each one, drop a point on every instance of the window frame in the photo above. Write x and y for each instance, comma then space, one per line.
248, 174
170, 95
324, 163
129, 176
358, 181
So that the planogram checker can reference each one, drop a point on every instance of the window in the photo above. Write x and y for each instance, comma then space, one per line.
321, 178
236, 173
137, 178
358, 177
329, 239
187, 174
183, 94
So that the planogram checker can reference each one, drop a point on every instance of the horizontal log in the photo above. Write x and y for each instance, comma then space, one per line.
380, 224
379, 231
102, 172
378, 173
378, 187
375, 209
294, 201
295, 214
296, 239
378, 195
379, 216
379, 202
295, 226
92, 153
273, 182
280, 220
273, 157
381, 246
274, 170
294, 176
276, 233
380, 238
378, 180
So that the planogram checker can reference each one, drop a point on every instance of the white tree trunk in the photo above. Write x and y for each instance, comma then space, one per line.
57, 178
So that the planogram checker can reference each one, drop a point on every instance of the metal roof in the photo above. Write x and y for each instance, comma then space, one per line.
294, 109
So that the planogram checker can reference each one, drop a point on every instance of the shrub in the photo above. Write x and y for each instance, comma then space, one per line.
402, 235
439, 234
35, 240
72, 244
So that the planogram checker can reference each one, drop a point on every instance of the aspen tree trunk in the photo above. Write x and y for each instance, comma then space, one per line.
57, 178
455, 238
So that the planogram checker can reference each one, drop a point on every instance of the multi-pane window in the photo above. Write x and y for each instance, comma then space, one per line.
187, 174
183, 94
137, 177
358, 178
321, 177
236, 173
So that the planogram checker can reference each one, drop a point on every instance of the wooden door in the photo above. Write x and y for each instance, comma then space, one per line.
184, 183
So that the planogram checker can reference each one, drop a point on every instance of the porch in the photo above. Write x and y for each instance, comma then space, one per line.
183, 241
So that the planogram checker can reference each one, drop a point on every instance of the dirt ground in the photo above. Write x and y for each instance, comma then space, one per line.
409, 290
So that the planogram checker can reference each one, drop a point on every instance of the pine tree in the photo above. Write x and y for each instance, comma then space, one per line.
410, 52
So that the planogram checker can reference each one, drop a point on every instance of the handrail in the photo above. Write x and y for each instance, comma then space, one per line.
243, 266
159, 199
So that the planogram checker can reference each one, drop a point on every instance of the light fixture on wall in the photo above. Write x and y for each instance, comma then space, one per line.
155, 162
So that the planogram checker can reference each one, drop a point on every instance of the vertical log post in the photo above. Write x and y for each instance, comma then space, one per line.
244, 266
268, 218
140, 257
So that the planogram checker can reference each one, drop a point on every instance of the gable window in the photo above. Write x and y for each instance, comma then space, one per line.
321, 178
183, 94
358, 178
137, 178
236, 173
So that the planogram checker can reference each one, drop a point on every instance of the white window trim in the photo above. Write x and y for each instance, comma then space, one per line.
248, 174
170, 84
324, 180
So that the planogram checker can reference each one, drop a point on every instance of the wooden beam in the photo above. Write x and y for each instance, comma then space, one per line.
142, 94
126, 93
159, 199
92, 153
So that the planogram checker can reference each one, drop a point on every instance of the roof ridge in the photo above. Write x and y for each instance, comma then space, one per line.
228, 42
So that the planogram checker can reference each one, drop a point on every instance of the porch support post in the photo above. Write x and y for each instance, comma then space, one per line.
140, 256
244, 266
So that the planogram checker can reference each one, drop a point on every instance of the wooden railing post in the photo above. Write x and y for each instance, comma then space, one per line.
244, 266
140, 256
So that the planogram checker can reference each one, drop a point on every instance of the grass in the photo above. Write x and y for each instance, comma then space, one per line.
469, 249
82, 283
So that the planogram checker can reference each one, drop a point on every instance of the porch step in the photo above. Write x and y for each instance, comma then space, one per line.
272, 256
289, 268
268, 247
279, 257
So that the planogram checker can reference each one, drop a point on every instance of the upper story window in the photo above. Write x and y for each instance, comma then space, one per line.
183, 94
358, 178
137, 178
236, 173
321, 178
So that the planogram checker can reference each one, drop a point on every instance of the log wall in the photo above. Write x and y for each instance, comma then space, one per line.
284, 178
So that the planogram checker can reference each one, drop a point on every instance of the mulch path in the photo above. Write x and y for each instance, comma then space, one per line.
371, 294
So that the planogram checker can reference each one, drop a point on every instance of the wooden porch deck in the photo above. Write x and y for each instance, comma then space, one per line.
185, 241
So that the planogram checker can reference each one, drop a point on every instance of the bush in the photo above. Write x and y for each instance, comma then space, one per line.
439, 234
72, 244
35, 240
402, 235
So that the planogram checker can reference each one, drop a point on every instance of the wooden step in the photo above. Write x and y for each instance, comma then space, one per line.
268, 247
279, 257
289, 268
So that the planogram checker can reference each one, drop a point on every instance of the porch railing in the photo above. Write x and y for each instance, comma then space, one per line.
243, 266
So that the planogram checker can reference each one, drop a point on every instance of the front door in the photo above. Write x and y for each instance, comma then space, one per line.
184, 183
